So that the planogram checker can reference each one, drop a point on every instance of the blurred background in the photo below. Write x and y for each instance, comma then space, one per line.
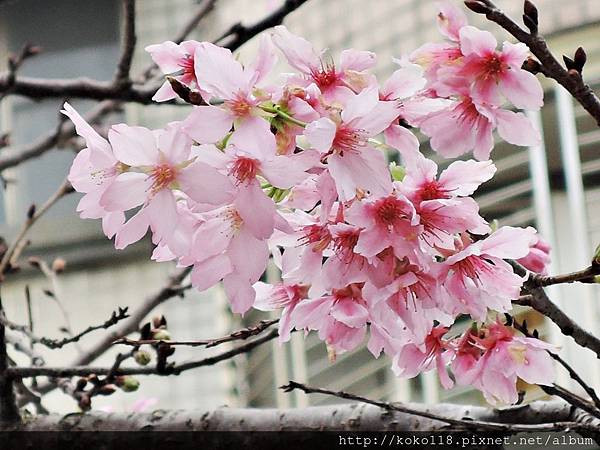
554, 187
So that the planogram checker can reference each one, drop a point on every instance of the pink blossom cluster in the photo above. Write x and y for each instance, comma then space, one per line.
293, 167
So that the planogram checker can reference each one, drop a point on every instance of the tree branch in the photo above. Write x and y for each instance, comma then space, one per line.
522, 327
242, 334
239, 34
63, 132
83, 371
462, 423
115, 318
584, 276
541, 303
172, 289
32, 217
344, 417
128, 42
9, 411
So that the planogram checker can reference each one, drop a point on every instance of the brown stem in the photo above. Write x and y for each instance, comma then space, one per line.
82, 371
128, 42
464, 424
63, 189
584, 276
572, 373
242, 334
542, 304
9, 411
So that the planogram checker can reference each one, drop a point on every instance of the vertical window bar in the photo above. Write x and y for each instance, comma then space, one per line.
583, 311
542, 202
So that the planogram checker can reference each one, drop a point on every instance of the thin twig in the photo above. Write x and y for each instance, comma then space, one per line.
63, 189
467, 424
14, 63
542, 304
240, 335
522, 327
128, 41
239, 34
82, 371
584, 276
116, 317
9, 411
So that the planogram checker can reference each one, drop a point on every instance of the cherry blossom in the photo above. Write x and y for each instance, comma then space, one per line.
294, 168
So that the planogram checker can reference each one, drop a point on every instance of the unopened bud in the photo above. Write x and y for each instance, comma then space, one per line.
107, 389
81, 384
159, 321
580, 59
596, 258
530, 16
58, 265
331, 354
31, 211
398, 172
129, 384
34, 261
142, 357
161, 335
477, 6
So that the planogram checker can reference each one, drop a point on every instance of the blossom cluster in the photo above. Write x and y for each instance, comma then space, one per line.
292, 167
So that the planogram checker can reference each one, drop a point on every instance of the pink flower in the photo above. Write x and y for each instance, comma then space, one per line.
389, 221
493, 73
341, 317
280, 296
460, 179
235, 88
442, 205
414, 359
351, 160
538, 258
231, 245
464, 126
93, 170
479, 278
412, 297
335, 84
158, 163
243, 164
450, 20
493, 359
176, 60
402, 85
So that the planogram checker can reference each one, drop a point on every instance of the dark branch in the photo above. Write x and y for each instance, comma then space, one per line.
128, 42
78, 371
457, 423
172, 289
583, 276
9, 411
541, 303
31, 219
62, 133
522, 327
239, 34
14, 63
115, 318
239, 335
